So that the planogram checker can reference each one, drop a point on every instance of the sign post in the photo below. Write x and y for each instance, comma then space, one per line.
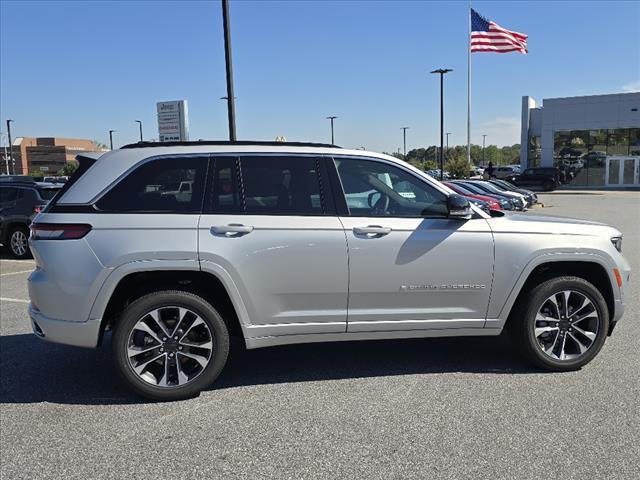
173, 121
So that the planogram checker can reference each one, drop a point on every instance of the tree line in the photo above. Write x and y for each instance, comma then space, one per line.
455, 158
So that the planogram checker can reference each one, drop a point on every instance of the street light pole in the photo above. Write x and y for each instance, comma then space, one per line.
442, 72
484, 136
140, 123
231, 105
332, 118
13, 165
404, 139
111, 138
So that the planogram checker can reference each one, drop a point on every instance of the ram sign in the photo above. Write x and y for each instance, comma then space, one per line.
173, 121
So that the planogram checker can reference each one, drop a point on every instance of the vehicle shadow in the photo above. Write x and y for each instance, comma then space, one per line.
35, 371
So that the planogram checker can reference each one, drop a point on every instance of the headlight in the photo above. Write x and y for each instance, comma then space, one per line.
617, 242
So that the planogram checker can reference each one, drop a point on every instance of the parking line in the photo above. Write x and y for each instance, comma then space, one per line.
16, 261
15, 300
15, 273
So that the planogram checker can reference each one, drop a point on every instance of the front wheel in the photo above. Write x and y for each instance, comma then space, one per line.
563, 325
169, 345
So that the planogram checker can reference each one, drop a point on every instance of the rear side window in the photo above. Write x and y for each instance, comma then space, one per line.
167, 185
226, 198
286, 185
8, 194
48, 193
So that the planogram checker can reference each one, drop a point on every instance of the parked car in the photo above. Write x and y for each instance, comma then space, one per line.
505, 202
547, 178
506, 186
502, 172
492, 203
20, 201
519, 200
270, 248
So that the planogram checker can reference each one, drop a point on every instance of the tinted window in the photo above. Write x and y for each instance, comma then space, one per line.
165, 185
8, 194
378, 189
226, 198
284, 185
48, 193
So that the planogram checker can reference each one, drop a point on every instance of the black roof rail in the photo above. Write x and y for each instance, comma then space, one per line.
227, 143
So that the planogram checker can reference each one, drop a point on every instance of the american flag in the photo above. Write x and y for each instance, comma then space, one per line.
488, 36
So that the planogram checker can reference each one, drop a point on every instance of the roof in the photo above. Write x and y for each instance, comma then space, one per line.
228, 143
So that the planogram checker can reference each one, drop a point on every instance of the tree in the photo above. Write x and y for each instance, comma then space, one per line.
458, 167
68, 169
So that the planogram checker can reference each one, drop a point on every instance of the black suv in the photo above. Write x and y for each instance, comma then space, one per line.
20, 199
547, 178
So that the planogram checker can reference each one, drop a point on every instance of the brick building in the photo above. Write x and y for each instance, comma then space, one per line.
46, 154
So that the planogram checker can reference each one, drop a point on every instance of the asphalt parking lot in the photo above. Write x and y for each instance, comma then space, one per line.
432, 408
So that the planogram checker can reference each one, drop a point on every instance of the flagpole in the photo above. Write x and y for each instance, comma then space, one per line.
469, 90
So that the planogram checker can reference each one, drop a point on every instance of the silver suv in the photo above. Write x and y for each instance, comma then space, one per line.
176, 247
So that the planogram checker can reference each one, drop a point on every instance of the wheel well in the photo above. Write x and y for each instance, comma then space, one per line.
593, 273
137, 284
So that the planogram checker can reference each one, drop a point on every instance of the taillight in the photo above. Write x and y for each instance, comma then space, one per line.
38, 208
59, 231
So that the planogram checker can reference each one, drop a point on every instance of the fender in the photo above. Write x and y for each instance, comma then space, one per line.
539, 258
118, 273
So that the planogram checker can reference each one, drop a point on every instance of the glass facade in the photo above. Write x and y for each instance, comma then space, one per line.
582, 155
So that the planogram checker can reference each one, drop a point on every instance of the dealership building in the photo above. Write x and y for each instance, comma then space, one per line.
46, 154
594, 140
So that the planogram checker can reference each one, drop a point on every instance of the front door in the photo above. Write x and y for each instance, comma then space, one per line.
410, 267
622, 171
270, 227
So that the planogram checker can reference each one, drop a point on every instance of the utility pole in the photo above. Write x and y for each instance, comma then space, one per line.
13, 165
484, 136
404, 140
442, 72
231, 104
6, 155
111, 138
139, 122
332, 118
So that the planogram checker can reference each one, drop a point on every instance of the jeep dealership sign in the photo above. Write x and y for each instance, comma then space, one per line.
173, 121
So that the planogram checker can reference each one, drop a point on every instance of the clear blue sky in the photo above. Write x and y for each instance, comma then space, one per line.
79, 69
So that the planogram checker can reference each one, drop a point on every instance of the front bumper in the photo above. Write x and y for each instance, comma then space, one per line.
79, 334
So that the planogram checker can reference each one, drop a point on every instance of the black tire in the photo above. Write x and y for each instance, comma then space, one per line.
522, 323
23, 232
138, 309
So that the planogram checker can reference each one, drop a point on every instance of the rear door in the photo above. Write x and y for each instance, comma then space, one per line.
272, 228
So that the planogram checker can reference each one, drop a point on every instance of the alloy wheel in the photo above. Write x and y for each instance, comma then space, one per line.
170, 346
19, 243
566, 325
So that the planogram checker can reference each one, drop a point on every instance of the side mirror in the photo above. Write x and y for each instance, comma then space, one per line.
459, 207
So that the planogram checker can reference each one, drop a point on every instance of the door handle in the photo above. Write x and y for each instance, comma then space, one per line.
372, 230
231, 230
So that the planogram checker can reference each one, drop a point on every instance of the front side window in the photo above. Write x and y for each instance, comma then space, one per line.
378, 189
281, 185
167, 185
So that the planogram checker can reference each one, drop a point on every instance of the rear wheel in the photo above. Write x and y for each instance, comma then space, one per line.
563, 325
169, 345
19, 242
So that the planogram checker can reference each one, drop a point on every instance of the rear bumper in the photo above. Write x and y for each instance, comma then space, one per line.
79, 334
